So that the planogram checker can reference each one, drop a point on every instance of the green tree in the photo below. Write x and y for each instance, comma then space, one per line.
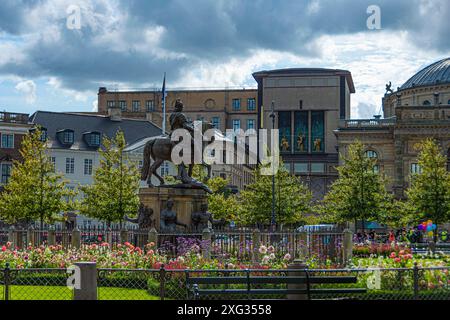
359, 193
35, 191
429, 193
222, 203
114, 191
292, 199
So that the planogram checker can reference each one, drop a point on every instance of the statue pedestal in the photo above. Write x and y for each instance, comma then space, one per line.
186, 201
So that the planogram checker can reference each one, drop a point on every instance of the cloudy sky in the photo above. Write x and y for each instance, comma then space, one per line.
48, 63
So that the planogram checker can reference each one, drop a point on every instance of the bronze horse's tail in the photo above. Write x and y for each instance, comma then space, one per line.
147, 157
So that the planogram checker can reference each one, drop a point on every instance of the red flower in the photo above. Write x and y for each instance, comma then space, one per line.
4, 248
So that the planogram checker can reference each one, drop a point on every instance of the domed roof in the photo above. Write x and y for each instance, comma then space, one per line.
436, 73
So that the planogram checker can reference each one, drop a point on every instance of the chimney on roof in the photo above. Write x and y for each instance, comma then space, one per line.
102, 90
114, 112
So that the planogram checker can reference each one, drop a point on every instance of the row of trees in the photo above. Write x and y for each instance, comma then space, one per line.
359, 194
37, 192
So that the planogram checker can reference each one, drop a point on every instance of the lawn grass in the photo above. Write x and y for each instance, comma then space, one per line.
64, 293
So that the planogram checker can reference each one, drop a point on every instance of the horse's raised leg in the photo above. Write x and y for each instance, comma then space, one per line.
208, 167
152, 171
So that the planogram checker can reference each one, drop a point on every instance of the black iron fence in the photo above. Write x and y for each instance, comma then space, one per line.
245, 244
156, 284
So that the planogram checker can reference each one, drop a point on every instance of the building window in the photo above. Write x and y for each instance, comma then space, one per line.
448, 102
70, 165
426, 103
95, 139
284, 127
236, 124
317, 167
6, 172
164, 169
111, 104
415, 168
140, 164
150, 105
251, 104
43, 137
123, 105
287, 166
448, 159
53, 162
136, 106
300, 167
216, 122
250, 124
371, 154
317, 131
68, 137
301, 129
88, 167
7, 141
236, 104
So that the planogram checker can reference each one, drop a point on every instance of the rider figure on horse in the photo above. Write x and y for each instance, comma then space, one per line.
178, 119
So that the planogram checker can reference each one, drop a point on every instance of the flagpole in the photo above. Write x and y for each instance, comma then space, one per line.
164, 105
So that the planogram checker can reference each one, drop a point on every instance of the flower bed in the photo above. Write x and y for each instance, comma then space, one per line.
129, 257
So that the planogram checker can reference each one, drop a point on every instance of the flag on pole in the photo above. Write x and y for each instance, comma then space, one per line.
164, 94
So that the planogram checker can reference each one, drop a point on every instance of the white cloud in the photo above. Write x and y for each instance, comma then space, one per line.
95, 106
28, 88
58, 89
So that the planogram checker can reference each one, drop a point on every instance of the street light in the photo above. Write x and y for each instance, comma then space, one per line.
273, 221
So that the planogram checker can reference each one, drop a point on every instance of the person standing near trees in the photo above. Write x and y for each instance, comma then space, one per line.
391, 236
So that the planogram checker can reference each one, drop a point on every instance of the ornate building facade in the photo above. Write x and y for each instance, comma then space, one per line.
417, 110
307, 104
13, 127
226, 109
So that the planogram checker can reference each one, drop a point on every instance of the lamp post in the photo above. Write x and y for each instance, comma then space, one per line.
273, 221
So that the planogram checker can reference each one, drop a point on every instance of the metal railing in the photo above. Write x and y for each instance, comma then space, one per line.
158, 284
367, 123
244, 244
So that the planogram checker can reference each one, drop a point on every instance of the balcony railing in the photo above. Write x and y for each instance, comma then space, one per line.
367, 123
10, 117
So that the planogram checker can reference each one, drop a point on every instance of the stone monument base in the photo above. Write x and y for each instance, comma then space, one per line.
186, 201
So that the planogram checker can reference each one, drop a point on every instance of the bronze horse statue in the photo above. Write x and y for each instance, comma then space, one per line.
159, 149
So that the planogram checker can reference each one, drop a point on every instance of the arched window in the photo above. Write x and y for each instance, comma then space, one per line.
371, 154
426, 103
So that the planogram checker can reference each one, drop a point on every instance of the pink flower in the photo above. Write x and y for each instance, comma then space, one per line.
4, 248
287, 257
397, 260
393, 255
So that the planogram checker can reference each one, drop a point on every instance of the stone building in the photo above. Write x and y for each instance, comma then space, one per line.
308, 103
418, 109
13, 127
73, 141
226, 109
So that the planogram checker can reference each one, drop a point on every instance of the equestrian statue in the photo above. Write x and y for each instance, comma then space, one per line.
159, 149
